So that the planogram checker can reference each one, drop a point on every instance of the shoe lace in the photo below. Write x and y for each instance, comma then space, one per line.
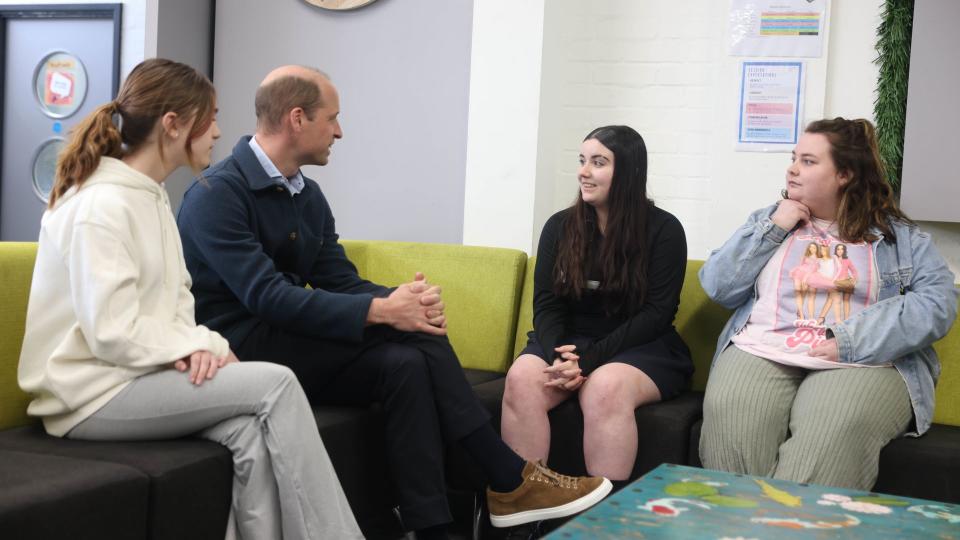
562, 480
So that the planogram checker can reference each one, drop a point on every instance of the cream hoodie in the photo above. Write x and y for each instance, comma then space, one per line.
110, 299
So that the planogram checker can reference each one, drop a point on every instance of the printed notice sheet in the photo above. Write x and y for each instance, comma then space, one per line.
792, 28
771, 101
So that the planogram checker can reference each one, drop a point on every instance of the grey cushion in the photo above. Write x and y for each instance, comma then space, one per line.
190, 480
52, 497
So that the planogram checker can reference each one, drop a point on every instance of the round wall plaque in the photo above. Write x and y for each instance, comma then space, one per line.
340, 5
45, 167
60, 84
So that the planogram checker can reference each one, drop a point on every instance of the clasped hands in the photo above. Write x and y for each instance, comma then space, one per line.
411, 307
565, 373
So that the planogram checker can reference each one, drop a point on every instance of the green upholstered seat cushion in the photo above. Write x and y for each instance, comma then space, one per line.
948, 388
699, 321
16, 271
525, 317
481, 290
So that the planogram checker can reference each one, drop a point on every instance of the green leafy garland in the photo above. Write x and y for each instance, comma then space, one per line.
890, 108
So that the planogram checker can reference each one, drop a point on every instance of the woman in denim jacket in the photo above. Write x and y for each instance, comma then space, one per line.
815, 400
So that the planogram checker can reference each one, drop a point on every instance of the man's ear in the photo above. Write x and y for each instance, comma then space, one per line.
296, 117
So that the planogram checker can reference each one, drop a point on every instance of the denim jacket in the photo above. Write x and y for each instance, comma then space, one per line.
916, 306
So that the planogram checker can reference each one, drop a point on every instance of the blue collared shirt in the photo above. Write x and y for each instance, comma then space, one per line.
294, 185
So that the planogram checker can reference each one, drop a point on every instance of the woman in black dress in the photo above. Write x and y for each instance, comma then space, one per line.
606, 288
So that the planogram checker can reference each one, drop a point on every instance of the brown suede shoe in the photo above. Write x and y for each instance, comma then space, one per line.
545, 494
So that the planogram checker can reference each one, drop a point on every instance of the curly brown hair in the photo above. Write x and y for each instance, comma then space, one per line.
866, 201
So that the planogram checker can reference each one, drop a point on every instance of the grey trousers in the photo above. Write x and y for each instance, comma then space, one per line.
284, 484
824, 427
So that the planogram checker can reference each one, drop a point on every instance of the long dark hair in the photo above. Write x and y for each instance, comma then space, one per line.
623, 252
866, 200
155, 87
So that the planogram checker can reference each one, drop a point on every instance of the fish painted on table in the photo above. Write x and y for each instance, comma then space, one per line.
779, 495
670, 507
861, 504
795, 523
935, 511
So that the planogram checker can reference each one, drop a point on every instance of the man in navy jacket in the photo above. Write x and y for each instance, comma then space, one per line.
256, 232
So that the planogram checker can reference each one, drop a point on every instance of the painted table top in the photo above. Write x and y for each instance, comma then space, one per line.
673, 501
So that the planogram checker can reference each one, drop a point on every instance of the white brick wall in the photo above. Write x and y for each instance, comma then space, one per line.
651, 65
662, 68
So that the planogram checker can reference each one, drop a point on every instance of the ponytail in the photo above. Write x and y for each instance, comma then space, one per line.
94, 137
153, 88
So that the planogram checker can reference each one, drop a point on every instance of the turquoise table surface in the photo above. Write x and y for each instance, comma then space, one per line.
673, 501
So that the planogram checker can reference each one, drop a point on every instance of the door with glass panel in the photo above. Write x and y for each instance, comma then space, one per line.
58, 64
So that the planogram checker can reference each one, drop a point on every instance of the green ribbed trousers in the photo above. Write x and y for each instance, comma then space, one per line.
824, 427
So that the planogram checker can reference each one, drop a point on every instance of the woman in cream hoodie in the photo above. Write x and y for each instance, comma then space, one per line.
111, 349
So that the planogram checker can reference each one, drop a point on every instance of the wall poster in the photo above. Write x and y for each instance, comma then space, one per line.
792, 28
771, 104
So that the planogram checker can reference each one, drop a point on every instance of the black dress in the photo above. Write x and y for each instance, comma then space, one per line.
644, 338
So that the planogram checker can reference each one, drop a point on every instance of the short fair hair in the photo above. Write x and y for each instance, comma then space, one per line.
277, 97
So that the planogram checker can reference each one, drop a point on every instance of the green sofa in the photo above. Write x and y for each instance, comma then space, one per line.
180, 489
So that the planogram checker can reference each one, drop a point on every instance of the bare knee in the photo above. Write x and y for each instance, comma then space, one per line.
605, 397
524, 383
616, 389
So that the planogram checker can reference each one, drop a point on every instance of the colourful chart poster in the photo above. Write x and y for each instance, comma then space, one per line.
792, 28
789, 23
771, 101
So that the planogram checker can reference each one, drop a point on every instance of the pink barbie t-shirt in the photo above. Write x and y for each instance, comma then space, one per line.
814, 279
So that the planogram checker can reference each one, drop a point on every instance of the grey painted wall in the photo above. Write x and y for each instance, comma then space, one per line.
930, 187
402, 68
183, 34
